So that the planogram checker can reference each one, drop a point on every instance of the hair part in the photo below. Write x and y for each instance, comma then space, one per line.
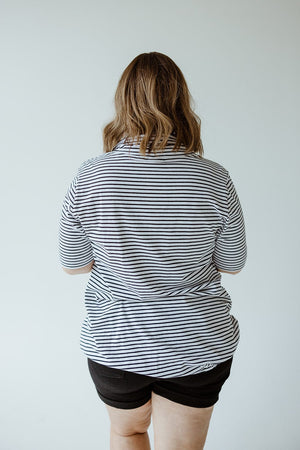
152, 99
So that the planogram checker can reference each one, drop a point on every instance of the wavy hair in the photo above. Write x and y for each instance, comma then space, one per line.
152, 101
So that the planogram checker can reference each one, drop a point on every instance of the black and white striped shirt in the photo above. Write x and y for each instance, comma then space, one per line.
157, 227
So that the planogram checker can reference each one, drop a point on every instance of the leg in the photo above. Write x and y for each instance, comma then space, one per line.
179, 427
129, 427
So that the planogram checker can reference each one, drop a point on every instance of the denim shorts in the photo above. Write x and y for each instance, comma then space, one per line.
125, 390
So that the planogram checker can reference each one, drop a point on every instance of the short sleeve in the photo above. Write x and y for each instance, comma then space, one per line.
75, 249
230, 251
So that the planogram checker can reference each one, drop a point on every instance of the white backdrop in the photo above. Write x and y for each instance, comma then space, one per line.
61, 62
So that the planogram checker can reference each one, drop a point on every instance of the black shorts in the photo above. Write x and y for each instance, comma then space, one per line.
126, 390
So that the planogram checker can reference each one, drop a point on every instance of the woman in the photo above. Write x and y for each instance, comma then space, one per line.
155, 222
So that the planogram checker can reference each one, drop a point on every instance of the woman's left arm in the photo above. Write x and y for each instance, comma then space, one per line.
75, 248
84, 269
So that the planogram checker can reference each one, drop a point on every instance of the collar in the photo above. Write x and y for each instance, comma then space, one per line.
133, 147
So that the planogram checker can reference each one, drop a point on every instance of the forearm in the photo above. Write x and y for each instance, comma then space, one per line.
84, 269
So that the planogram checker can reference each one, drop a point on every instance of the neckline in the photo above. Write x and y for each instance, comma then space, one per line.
134, 147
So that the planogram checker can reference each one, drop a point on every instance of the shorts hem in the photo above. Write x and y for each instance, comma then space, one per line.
177, 398
124, 405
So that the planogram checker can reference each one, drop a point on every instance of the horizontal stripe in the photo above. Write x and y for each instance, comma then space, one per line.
158, 228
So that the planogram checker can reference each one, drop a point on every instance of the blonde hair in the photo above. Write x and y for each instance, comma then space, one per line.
152, 99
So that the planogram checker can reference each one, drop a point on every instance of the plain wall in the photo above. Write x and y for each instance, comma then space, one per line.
61, 62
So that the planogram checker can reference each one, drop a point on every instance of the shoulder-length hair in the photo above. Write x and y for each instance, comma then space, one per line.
152, 101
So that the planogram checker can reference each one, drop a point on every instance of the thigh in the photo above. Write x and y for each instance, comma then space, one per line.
130, 421
177, 426
182, 408
127, 397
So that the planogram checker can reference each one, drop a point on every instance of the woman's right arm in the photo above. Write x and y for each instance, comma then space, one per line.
230, 251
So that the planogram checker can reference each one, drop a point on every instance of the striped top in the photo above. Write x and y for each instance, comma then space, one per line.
157, 227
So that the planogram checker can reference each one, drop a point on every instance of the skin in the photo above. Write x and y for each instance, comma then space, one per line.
84, 269
176, 426
233, 273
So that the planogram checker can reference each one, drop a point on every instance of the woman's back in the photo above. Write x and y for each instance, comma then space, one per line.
159, 227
